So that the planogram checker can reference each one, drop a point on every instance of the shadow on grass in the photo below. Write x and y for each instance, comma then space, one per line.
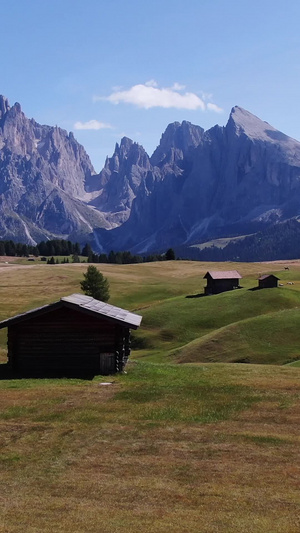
196, 295
7, 373
201, 294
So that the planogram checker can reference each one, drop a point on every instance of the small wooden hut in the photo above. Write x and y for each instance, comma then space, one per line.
268, 281
74, 336
221, 281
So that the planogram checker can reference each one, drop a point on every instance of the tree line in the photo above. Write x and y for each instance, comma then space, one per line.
65, 248
47, 248
280, 241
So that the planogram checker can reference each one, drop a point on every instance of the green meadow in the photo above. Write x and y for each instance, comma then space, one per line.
202, 432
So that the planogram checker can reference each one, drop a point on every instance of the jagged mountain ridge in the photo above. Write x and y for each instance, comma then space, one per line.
43, 175
117, 184
197, 185
233, 180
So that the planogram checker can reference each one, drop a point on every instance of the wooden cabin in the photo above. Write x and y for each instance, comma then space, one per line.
77, 335
268, 281
221, 281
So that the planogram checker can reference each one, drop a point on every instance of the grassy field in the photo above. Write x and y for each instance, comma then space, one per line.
200, 447
169, 296
210, 448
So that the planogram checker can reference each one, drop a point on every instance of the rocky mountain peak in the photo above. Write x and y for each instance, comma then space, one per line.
4, 106
16, 109
242, 121
118, 182
179, 138
126, 154
197, 185
43, 173
125, 144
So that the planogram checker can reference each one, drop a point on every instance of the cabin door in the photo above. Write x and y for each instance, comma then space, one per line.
107, 363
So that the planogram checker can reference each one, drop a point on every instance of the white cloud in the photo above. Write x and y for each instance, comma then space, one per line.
91, 125
151, 83
206, 96
214, 107
149, 95
178, 87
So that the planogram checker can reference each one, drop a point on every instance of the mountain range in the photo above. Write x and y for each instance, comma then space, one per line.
197, 186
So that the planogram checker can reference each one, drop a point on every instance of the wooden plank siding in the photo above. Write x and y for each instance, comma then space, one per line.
63, 340
218, 281
268, 281
76, 335
220, 285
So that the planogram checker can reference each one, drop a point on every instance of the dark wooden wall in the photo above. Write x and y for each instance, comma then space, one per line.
268, 283
67, 341
215, 286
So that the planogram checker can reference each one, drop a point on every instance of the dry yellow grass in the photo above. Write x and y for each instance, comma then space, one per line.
77, 458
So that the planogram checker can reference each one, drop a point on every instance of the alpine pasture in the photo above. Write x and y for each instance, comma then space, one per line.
201, 434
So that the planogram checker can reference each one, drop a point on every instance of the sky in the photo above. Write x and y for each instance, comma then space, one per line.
105, 69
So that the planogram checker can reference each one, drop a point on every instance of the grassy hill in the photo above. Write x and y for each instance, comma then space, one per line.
237, 325
178, 323
267, 339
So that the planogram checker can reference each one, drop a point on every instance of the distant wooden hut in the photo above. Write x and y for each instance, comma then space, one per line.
268, 281
74, 336
221, 281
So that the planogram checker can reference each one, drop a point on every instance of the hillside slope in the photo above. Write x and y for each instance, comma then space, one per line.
266, 339
238, 326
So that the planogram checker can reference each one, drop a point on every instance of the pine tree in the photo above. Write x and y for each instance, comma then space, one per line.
95, 284
75, 258
87, 250
170, 255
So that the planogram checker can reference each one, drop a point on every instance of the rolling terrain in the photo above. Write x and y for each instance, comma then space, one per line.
179, 324
210, 447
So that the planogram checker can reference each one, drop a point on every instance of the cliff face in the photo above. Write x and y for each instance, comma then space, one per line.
196, 186
226, 181
118, 182
43, 172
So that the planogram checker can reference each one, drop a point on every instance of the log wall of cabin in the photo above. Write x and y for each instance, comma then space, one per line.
64, 339
220, 285
268, 283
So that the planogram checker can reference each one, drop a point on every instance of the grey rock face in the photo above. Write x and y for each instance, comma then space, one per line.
43, 172
119, 181
196, 186
176, 143
216, 183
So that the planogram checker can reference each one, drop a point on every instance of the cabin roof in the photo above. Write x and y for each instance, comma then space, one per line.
266, 276
85, 304
225, 274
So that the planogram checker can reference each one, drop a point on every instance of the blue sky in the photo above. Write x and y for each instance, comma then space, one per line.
104, 69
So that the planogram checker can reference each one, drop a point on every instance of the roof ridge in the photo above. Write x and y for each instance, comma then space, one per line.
76, 300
